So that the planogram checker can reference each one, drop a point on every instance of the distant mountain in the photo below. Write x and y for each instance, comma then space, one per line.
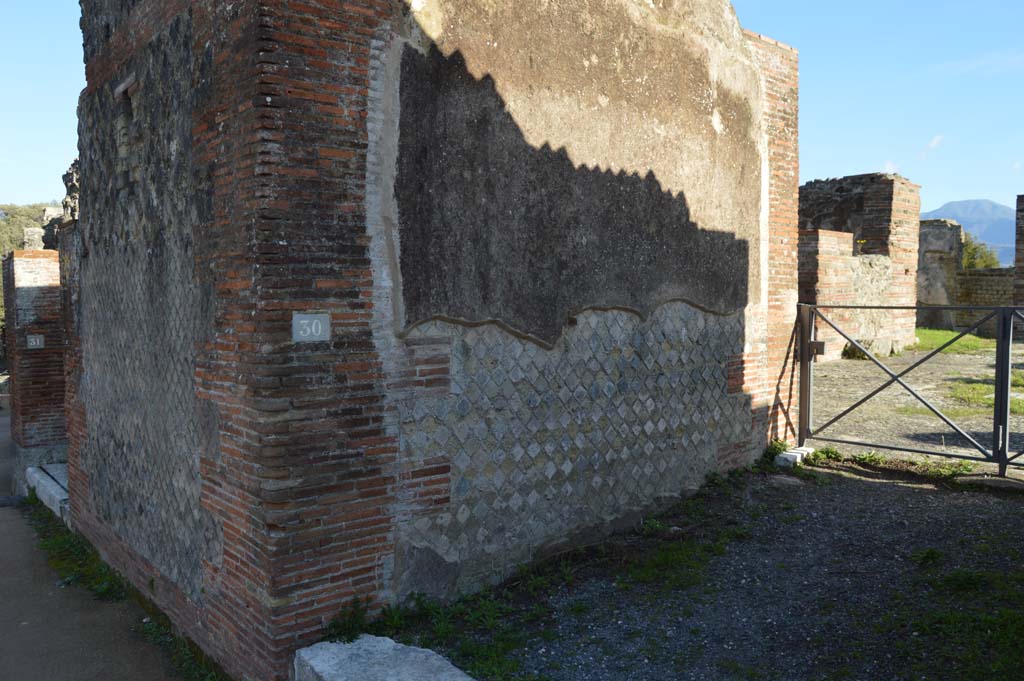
991, 222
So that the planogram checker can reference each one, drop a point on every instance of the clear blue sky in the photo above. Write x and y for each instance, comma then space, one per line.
933, 88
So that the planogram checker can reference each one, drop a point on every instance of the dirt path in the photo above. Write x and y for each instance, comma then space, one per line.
55, 633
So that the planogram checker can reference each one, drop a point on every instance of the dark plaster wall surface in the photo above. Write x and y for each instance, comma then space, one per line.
530, 185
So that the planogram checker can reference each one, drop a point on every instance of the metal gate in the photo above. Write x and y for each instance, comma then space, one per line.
999, 453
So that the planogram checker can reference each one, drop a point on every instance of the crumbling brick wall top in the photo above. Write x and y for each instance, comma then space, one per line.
881, 213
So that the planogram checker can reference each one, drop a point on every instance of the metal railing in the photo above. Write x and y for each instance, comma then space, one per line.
999, 453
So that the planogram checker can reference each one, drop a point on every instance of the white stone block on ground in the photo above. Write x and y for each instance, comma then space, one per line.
50, 492
793, 457
373, 658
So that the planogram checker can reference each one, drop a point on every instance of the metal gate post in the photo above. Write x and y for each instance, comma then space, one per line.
1001, 418
806, 321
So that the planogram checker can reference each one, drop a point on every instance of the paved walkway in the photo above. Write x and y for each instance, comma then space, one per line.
61, 634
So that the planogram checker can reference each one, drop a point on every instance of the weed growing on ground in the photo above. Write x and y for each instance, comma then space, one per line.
851, 351
927, 558
944, 472
190, 663
868, 459
774, 448
652, 527
828, 453
71, 556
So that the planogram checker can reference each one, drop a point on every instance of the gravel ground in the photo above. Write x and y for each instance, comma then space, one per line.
817, 577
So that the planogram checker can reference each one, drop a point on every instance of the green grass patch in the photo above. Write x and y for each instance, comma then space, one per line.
970, 628
939, 472
932, 339
979, 393
479, 633
828, 453
953, 413
927, 558
189, 661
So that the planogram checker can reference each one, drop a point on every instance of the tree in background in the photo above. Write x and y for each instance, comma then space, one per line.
978, 255
13, 223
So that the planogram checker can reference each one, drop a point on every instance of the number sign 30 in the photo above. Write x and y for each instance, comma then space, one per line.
311, 328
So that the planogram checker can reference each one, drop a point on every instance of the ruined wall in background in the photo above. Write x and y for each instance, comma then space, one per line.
940, 259
34, 338
1018, 281
834, 275
875, 263
988, 288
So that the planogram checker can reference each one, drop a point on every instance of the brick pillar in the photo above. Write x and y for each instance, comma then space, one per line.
780, 66
1018, 276
904, 232
35, 354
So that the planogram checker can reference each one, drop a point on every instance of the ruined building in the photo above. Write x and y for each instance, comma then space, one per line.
373, 298
942, 279
34, 346
939, 265
859, 246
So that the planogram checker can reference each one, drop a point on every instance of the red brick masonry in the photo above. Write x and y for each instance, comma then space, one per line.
33, 309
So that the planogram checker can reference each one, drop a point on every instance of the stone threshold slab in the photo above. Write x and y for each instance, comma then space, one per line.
50, 481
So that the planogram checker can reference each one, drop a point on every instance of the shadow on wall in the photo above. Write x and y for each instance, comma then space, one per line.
618, 414
494, 228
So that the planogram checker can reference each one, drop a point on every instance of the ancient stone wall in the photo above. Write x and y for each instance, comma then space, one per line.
542, 402
34, 337
875, 263
545, 287
1018, 282
940, 260
166, 215
143, 312
988, 287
